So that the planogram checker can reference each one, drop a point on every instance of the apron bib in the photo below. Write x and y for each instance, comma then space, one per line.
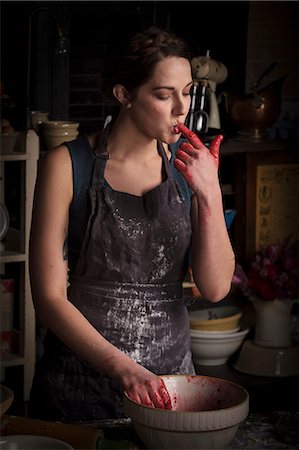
128, 284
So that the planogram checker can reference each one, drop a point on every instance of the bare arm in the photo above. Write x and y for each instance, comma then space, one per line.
213, 259
48, 271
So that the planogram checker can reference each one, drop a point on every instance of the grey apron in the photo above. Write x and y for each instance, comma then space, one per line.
128, 284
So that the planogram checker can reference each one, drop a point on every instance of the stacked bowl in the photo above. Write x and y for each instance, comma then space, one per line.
55, 132
215, 334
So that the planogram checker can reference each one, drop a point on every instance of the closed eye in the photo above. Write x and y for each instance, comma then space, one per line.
166, 97
163, 97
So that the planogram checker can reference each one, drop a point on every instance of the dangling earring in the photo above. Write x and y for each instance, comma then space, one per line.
127, 104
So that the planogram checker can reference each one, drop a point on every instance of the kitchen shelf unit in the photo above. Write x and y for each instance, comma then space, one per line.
239, 166
14, 259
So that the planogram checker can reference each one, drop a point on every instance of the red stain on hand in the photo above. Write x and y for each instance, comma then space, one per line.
196, 142
160, 397
215, 145
148, 403
190, 136
165, 397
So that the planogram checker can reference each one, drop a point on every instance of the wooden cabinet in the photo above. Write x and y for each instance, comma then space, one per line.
18, 173
241, 164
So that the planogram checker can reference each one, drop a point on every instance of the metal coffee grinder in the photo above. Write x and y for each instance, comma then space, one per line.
203, 117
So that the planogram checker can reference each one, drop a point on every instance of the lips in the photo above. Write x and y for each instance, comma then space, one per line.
176, 128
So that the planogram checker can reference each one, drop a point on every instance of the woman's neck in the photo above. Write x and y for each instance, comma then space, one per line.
126, 141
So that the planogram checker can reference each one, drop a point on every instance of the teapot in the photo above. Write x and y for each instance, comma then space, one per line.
255, 112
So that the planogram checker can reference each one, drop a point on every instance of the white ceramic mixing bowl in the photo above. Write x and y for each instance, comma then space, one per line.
206, 413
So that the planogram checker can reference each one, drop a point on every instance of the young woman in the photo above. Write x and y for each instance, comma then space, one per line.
129, 207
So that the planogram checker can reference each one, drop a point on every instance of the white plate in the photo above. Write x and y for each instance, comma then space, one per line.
32, 442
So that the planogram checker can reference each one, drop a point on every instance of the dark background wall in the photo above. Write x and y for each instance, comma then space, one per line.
67, 85
247, 36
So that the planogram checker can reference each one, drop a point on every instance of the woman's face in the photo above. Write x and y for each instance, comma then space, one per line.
164, 101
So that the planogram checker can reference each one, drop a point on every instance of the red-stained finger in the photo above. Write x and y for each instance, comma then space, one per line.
133, 396
179, 165
165, 397
186, 151
215, 145
156, 395
188, 148
144, 398
190, 136
158, 400
183, 156
147, 401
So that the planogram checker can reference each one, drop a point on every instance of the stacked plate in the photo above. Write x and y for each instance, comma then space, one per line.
215, 334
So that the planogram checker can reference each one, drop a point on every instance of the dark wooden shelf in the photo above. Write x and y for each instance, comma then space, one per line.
238, 168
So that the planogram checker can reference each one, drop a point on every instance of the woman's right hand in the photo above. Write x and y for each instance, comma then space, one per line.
141, 385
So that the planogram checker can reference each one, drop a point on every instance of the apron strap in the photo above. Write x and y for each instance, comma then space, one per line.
101, 158
166, 162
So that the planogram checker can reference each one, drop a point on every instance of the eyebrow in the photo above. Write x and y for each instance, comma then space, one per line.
170, 88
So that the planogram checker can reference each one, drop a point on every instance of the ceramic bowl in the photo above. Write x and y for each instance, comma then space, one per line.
206, 413
60, 125
215, 349
9, 142
217, 318
215, 334
57, 132
32, 442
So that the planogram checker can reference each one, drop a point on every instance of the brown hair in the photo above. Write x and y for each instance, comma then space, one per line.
135, 66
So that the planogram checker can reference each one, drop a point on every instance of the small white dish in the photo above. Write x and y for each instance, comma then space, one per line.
32, 442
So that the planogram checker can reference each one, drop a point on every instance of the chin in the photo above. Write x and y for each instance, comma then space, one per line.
170, 139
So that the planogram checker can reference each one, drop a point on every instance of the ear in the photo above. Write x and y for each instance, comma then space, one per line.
122, 95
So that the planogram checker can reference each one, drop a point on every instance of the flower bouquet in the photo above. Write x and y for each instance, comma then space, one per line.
271, 284
273, 274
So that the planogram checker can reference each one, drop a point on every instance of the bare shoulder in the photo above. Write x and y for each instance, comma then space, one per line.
58, 156
55, 170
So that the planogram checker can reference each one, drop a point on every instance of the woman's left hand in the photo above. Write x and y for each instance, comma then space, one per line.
196, 162
212, 253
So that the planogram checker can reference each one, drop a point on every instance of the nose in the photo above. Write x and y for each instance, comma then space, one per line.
181, 105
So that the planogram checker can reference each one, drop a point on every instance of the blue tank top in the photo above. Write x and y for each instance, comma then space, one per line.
83, 159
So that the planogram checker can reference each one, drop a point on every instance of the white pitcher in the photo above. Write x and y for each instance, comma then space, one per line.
273, 327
